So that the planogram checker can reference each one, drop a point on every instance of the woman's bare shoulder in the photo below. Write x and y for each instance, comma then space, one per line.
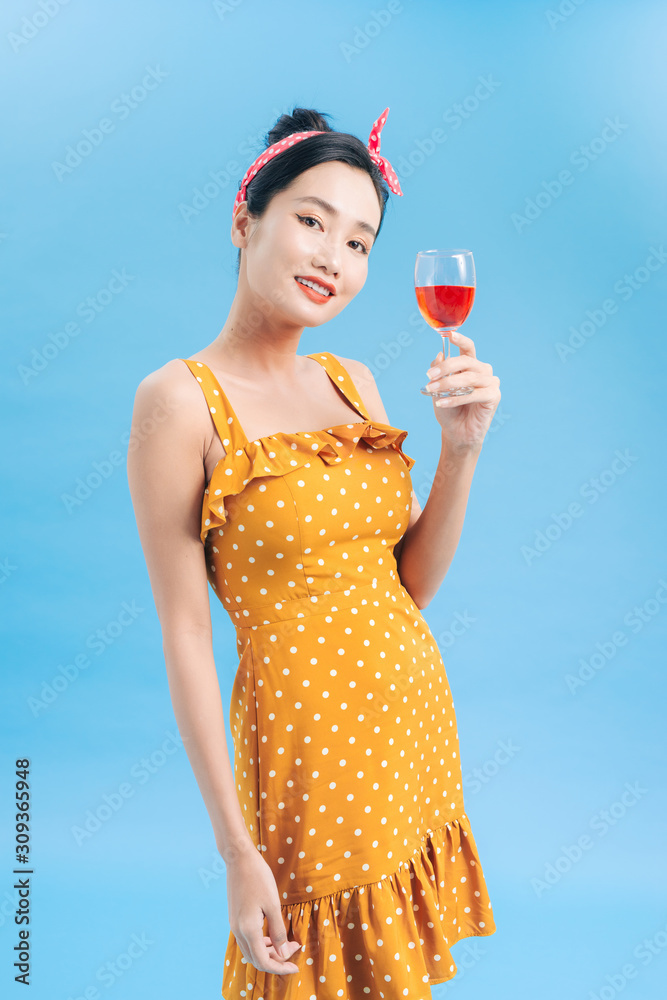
171, 399
173, 387
173, 376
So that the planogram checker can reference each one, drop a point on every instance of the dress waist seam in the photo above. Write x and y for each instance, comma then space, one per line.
315, 604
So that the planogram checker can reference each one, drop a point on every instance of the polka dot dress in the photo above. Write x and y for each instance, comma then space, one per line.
346, 748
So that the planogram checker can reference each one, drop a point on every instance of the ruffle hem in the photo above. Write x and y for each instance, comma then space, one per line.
386, 939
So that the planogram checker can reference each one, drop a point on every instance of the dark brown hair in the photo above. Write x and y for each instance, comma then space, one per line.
281, 170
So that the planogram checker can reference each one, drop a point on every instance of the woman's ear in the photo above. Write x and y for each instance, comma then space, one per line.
240, 231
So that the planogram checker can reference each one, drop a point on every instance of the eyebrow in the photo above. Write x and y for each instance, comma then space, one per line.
328, 207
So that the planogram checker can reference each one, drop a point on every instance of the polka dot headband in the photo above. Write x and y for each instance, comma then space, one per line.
383, 164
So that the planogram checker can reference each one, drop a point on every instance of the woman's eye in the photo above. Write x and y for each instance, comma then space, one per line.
311, 218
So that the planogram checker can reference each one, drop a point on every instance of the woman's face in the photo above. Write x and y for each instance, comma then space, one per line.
322, 227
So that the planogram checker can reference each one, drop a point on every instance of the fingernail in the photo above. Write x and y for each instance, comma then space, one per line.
431, 372
453, 335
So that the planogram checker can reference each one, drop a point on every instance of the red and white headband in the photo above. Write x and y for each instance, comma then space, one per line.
383, 164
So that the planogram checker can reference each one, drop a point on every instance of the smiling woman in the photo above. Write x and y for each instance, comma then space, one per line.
324, 145
351, 865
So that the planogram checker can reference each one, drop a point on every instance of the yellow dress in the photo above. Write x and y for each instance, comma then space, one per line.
346, 755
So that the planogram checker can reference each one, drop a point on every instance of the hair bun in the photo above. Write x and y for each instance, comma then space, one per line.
301, 120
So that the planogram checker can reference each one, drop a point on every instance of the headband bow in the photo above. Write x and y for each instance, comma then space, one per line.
384, 165
373, 144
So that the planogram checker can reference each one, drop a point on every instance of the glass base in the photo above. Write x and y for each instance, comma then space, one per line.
461, 391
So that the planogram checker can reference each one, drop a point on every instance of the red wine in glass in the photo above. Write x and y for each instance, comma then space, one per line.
445, 288
445, 305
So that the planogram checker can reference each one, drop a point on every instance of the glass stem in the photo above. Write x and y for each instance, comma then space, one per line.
445, 346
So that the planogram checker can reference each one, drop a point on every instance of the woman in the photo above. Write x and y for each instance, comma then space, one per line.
343, 824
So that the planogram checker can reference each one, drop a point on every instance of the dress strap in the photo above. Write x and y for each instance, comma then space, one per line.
342, 379
226, 422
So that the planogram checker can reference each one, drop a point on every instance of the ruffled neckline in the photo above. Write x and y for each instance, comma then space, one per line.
283, 452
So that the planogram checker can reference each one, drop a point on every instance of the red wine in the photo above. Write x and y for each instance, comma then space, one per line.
445, 305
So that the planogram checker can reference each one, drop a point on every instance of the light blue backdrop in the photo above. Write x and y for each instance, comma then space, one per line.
533, 135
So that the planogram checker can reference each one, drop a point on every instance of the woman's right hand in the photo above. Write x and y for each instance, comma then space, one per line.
252, 894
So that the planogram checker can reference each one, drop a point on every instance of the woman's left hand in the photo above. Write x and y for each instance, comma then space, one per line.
465, 419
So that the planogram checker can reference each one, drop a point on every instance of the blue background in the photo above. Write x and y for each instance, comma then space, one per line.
552, 599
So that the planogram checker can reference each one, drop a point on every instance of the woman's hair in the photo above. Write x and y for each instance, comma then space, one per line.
280, 171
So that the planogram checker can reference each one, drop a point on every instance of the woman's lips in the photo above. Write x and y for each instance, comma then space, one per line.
311, 293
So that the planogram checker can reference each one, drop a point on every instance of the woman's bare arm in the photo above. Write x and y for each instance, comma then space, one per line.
171, 428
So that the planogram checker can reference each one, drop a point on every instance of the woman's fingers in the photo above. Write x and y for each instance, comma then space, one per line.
455, 380
465, 344
253, 898
462, 362
276, 928
289, 948
262, 954
258, 950
276, 942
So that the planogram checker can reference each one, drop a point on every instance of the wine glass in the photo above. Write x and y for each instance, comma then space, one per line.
445, 288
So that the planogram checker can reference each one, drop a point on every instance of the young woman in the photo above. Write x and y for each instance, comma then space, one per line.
278, 478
